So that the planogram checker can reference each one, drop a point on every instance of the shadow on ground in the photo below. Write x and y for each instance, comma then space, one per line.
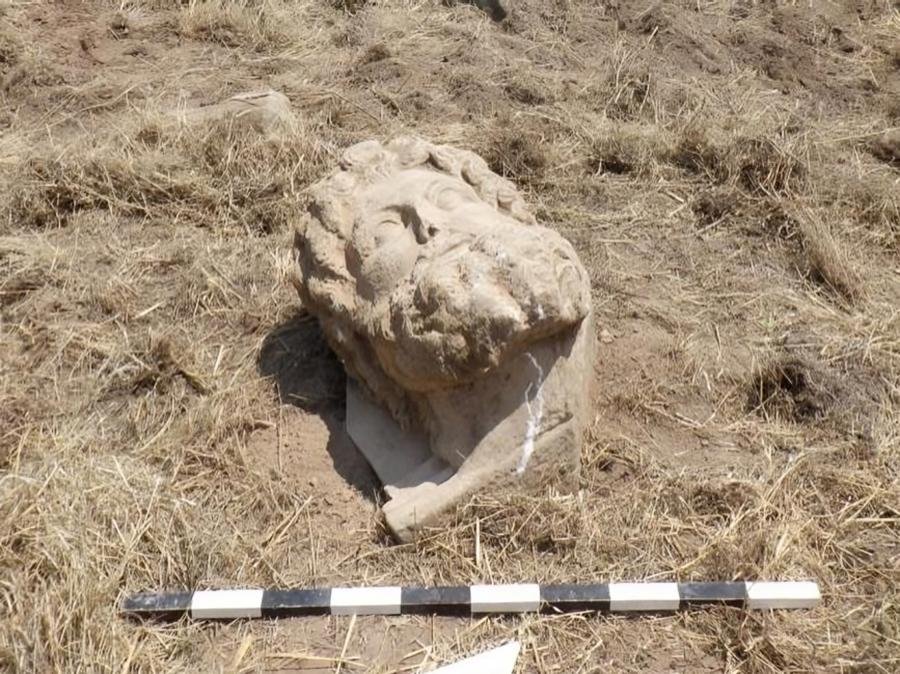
306, 372
308, 375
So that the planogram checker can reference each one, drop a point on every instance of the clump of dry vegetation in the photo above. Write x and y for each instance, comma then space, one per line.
171, 418
829, 263
251, 24
218, 173
516, 154
756, 165
796, 386
887, 147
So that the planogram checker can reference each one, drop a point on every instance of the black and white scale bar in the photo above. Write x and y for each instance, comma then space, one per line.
471, 600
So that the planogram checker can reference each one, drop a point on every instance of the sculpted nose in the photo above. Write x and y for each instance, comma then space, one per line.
420, 222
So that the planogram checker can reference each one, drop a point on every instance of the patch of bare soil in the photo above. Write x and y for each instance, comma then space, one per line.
170, 418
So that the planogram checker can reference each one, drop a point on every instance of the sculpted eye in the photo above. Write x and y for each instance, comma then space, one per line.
389, 219
386, 227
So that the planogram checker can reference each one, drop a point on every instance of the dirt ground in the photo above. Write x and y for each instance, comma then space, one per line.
170, 418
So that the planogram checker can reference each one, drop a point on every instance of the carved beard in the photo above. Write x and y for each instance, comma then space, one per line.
472, 304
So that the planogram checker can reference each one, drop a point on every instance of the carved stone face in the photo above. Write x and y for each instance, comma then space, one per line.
431, 261
401, 215
460, 319
453, 283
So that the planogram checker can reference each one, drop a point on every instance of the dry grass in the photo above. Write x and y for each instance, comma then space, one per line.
169, 418
214, 173
828, 259
246, 23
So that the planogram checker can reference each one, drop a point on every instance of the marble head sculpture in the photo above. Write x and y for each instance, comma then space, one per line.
465, 328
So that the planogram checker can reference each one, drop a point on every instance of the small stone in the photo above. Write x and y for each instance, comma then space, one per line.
261, 110
887, 147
